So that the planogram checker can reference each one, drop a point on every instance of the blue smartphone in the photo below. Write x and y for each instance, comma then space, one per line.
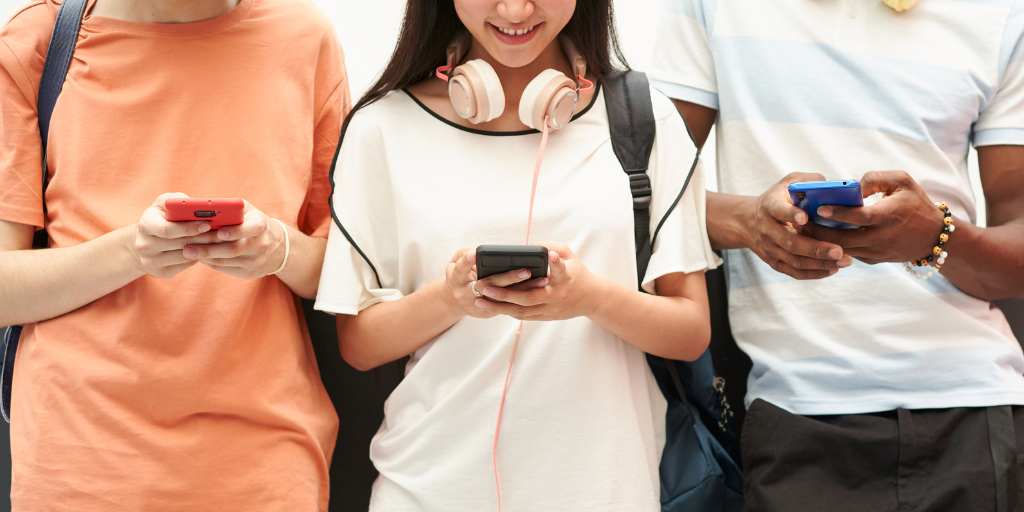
809, 195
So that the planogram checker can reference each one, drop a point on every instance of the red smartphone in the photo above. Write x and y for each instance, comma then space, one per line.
218, 212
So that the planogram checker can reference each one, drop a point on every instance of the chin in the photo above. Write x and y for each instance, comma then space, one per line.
517, 57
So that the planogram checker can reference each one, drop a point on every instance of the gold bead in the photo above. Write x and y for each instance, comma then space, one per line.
942, 206
900, 5
936, 250
944, 238
948, 221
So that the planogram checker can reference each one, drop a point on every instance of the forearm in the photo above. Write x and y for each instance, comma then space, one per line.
389, 331
987, 263
670, 327
728, 220
46, 283
305, 259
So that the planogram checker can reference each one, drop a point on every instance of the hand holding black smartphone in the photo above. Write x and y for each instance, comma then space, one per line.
498, 259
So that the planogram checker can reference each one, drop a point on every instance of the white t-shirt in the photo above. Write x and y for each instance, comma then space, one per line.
844, 87
584, 424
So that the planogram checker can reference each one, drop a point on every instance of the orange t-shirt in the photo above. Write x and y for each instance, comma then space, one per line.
199, 392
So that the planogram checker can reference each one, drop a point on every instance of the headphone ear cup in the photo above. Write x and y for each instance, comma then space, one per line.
476, 93
462, 96
550, 95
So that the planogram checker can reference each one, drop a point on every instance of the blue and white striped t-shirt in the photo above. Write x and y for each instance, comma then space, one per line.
843, 87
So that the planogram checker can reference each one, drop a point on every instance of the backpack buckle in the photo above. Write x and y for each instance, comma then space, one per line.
640, 188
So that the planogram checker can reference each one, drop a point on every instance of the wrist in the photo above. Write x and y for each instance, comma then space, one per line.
742, 222
124, 240
936, 226
965, 235
936, 258
279, 254
731, 220
439, 289
596, 297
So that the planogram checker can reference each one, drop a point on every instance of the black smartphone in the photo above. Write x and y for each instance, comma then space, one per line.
498, 259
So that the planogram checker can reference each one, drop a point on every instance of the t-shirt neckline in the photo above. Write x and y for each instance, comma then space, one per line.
493, 133
191, 29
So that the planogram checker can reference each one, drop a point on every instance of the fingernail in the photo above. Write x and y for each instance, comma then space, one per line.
524, 274
845, 262
204, 228
801, 218
825, 211
836, 253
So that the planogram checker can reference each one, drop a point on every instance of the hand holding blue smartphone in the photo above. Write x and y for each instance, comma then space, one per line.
809, 195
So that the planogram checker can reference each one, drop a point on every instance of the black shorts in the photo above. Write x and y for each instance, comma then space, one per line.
958, 460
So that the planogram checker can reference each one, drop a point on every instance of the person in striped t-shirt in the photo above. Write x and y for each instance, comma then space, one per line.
872, 388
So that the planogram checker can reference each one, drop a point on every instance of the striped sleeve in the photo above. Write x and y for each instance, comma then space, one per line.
1002, 120
682, 66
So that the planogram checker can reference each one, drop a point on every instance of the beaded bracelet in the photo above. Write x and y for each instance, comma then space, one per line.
938, 256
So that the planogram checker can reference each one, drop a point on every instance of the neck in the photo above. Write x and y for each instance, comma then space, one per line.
515, 80
162, 11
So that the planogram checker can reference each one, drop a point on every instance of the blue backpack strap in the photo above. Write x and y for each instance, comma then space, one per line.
55, 71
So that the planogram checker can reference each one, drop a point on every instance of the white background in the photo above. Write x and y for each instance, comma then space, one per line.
368, 30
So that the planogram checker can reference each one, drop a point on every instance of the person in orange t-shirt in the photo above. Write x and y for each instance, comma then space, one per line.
166, 366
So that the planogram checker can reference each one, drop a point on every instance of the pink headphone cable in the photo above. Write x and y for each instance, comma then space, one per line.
442, 72
519, 328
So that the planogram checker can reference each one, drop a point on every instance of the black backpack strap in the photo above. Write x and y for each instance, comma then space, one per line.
55, 71
632, 126
627, 97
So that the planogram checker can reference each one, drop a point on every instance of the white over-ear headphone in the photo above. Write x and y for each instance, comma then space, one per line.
477, 96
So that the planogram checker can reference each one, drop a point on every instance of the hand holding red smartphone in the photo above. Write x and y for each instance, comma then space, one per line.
219, 212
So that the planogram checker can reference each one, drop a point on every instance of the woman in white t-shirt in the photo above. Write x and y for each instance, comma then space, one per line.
418, 187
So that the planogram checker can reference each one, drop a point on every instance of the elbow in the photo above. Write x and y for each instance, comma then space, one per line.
354, 356
691, 343
361, 364
353, 351
312, 288
696, 343
309, 289
692, 337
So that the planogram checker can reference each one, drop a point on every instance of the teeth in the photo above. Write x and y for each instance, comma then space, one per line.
515, 32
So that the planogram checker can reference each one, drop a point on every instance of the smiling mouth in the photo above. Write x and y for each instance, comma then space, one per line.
515, 35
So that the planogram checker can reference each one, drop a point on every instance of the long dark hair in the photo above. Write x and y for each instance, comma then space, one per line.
430, 25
